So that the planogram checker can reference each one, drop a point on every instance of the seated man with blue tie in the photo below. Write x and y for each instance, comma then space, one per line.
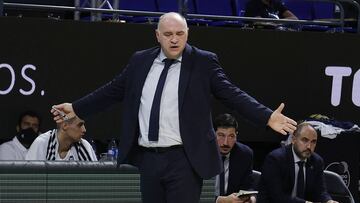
237, 159
294, 173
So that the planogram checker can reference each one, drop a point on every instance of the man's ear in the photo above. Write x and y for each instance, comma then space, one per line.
17, 128
293, 138
64, 126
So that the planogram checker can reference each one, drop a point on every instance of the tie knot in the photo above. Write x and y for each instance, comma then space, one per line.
168, 62
301, 164
223, 158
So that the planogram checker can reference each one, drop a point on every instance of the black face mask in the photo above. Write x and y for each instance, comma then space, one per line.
27, 137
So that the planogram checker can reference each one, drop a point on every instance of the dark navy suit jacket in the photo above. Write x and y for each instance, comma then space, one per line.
240, 168
201, 77
278, 176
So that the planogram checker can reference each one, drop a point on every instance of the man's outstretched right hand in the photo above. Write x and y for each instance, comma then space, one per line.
62, 112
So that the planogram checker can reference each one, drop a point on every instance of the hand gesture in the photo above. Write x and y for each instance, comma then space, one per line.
280, 123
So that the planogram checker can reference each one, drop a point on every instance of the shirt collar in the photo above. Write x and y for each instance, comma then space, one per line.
227, 156
162, 56
18, 143
296, 157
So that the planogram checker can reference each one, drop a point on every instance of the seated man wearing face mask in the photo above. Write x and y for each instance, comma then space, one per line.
64, 143
28, 128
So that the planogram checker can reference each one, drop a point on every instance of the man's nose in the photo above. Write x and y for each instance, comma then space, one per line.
174, 39
83, 129
225, 140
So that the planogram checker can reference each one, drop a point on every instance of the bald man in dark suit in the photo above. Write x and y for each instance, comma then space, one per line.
166, 127
294, 174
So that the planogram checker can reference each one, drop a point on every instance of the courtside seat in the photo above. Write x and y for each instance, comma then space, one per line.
337, 187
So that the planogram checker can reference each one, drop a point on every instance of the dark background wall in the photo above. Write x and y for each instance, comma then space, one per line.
74, 58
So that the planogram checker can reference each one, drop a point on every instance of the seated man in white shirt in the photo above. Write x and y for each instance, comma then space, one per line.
63, 143
27, 129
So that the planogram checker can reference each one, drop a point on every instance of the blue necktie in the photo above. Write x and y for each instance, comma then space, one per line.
300, 189
155, 108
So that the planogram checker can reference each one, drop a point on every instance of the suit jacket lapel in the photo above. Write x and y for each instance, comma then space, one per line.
141, 75
232, 171
291, 164
186, 66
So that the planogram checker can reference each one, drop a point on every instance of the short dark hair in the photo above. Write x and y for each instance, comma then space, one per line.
300, 127
225, 121
31, 114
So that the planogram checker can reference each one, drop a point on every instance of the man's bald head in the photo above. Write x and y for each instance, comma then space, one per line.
171, 16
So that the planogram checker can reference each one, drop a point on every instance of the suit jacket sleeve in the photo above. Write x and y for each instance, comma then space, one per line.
320, 192
248, 165
223, 89
240, 169
103, 97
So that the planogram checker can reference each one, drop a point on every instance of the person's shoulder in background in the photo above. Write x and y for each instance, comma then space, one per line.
37, 150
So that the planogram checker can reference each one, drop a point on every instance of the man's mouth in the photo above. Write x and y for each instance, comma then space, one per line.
307, 151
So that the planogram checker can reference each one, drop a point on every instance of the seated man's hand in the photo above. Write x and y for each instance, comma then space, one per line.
248, 199
234, 199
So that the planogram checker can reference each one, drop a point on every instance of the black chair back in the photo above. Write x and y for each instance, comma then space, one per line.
337, 188
256, 175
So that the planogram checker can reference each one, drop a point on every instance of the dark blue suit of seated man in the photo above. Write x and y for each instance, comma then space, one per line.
237, 161
294, 174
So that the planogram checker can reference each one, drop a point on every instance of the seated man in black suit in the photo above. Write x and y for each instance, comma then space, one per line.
294, 173
238, 160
